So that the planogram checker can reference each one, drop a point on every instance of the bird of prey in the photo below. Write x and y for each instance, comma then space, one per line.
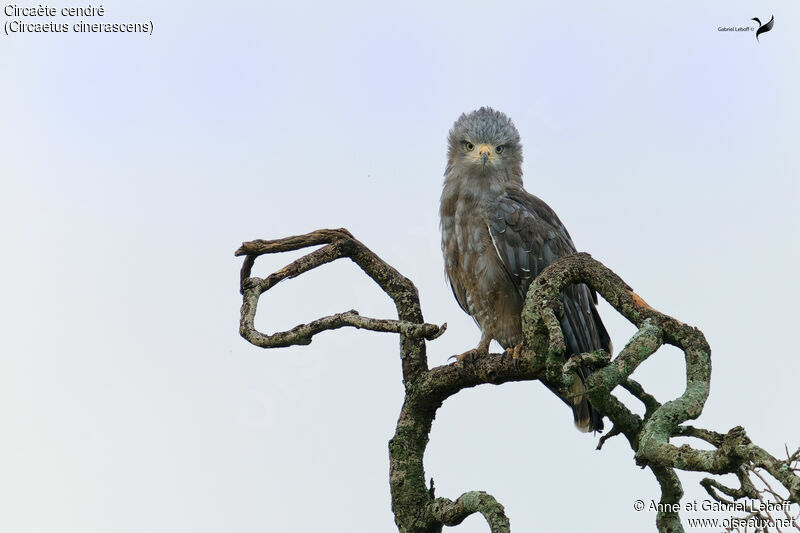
496, 238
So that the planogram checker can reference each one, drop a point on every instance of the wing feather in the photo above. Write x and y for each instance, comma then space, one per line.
527, 236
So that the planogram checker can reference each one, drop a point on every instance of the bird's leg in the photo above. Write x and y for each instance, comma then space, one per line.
481, 349
514, 352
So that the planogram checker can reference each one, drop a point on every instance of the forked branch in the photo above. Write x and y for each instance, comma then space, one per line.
338, 243
415, 508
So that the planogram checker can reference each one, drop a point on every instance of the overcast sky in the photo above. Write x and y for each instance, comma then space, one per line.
132, 167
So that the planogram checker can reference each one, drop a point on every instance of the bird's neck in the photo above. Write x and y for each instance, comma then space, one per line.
473, 188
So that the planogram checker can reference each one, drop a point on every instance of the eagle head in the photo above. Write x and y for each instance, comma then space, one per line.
484, 143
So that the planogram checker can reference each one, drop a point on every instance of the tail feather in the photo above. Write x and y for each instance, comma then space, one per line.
586, 417
583, 332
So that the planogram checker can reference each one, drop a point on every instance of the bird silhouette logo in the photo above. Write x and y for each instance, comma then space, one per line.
765, 28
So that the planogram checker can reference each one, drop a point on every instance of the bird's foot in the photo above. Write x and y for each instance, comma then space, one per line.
469, 355
515, 353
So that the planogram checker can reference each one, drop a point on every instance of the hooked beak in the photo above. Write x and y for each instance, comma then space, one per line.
484, 153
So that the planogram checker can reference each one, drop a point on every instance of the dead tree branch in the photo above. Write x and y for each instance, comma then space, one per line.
338, 243
413, 503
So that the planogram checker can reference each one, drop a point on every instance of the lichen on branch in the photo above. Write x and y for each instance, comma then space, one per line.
415, 507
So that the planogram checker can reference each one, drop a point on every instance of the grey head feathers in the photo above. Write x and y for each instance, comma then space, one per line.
484, 127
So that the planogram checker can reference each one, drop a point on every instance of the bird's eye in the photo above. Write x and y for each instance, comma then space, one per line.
469, 146
499, 149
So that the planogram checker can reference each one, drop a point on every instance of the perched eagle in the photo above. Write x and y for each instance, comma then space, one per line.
496, 238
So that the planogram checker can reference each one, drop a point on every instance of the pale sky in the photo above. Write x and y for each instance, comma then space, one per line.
133, 166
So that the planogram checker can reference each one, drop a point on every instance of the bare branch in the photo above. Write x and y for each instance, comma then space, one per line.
711, 437
591, 360
303, 333
649, 401
338, 243
415, 508
615, 430
452, 513
746, 488
667, 518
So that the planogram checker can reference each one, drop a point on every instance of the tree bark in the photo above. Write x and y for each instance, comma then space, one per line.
415, 507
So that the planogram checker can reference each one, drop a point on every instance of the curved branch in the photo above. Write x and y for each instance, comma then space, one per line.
667, 518
746, 488
638, 392
338, 243
303, 333
414, 506
452, 513
650, 437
